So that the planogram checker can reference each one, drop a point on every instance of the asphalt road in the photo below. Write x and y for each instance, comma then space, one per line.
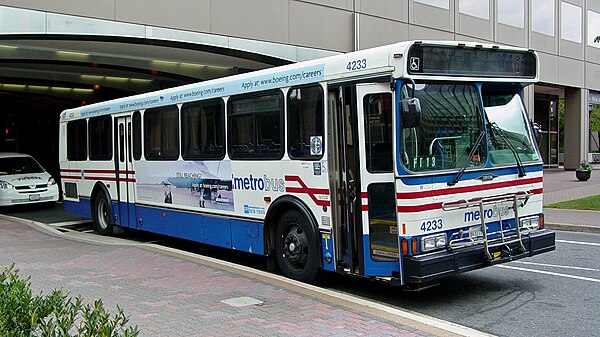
553, 294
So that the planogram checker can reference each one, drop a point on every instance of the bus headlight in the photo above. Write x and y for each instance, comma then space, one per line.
532, 223
5, 185
433, 242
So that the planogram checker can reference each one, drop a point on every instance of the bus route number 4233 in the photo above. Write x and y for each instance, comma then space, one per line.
357, 65
431, 225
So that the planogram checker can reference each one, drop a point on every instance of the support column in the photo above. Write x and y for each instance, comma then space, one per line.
528, 100
577, 126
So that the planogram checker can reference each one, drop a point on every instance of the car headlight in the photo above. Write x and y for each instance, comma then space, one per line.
51, 181
6, 185
432, 242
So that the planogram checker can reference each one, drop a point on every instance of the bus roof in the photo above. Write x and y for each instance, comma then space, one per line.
385, 60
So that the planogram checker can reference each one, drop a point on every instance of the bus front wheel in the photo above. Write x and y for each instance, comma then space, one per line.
102, 215
296, 247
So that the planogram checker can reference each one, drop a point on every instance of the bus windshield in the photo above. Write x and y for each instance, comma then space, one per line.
450, 124
508, 134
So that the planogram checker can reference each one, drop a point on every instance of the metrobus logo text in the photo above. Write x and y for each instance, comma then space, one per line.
264, 183
487, 213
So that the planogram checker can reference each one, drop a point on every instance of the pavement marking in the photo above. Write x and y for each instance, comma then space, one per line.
556, 266
580, 243
69, 223
553, 274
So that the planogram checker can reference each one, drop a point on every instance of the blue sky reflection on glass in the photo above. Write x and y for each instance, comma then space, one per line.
477, 8
512, 13
445, 4
570, 22
542, 16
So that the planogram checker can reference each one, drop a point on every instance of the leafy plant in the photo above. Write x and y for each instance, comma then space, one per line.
585, 166
56, 315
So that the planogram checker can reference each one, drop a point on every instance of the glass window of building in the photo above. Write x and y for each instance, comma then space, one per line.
477, 8
542, 17
570, 22
445, 4
593, 28
512, 13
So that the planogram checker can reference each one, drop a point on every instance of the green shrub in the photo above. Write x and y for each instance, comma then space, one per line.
54, 315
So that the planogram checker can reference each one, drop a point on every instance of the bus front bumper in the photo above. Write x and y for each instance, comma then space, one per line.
424, 269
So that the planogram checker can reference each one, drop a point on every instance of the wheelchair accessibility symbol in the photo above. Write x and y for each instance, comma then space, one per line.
414, 63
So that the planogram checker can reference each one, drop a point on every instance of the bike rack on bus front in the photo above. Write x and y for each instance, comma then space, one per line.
502, 237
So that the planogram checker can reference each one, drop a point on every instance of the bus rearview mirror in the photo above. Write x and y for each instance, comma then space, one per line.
411, 112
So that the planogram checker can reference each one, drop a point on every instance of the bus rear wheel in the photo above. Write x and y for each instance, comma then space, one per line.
296, 247
101, 213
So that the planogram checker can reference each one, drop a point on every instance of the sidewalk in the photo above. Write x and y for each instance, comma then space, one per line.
173, 293
561, 185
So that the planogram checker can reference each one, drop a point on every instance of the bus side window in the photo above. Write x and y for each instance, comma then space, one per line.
378, 132
100, 138
203, 130
161, 133
255, 126
305, 122
77, 140
137, 135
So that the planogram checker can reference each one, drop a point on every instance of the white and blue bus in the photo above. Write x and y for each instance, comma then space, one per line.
405, 163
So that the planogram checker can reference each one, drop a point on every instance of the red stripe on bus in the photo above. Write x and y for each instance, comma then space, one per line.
70, 170
311, 192
438, 205
466, 189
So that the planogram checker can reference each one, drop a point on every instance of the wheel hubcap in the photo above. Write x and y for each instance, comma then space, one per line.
102, 214
295, 247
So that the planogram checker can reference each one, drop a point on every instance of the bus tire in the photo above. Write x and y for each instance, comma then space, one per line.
296, 247
101, 214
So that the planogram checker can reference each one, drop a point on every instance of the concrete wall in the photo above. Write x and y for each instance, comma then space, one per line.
344, 25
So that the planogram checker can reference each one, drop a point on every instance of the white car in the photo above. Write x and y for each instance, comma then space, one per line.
24, 181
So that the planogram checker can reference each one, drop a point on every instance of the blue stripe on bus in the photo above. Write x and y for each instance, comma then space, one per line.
81, 208
238, 234
446, 177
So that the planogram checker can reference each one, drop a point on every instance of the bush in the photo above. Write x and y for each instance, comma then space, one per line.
54, 315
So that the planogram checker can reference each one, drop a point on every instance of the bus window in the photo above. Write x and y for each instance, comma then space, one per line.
77, 140
305, 122
161, 133
137, 135
255, 130
203, 130
378, 132
100, 138
451, 122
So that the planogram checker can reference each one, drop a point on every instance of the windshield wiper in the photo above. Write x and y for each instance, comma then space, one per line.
469, 158
495, 127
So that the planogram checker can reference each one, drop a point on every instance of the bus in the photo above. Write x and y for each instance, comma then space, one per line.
403, 163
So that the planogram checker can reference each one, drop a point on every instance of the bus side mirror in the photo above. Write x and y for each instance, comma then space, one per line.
411, 112
537, 131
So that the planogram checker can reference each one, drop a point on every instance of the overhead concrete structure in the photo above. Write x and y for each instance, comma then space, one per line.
61, 53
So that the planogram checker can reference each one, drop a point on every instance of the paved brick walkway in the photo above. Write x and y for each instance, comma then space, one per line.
166, 294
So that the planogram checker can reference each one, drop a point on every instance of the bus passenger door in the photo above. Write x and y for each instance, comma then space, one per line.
125, 173
377, 197
344, 176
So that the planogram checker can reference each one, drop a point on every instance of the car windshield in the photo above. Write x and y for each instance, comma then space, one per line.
508, 133
450, 124
19, 165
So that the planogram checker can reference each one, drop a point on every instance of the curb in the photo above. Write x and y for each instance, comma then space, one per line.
572, 228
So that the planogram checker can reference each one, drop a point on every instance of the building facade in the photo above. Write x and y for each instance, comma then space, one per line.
561, 31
